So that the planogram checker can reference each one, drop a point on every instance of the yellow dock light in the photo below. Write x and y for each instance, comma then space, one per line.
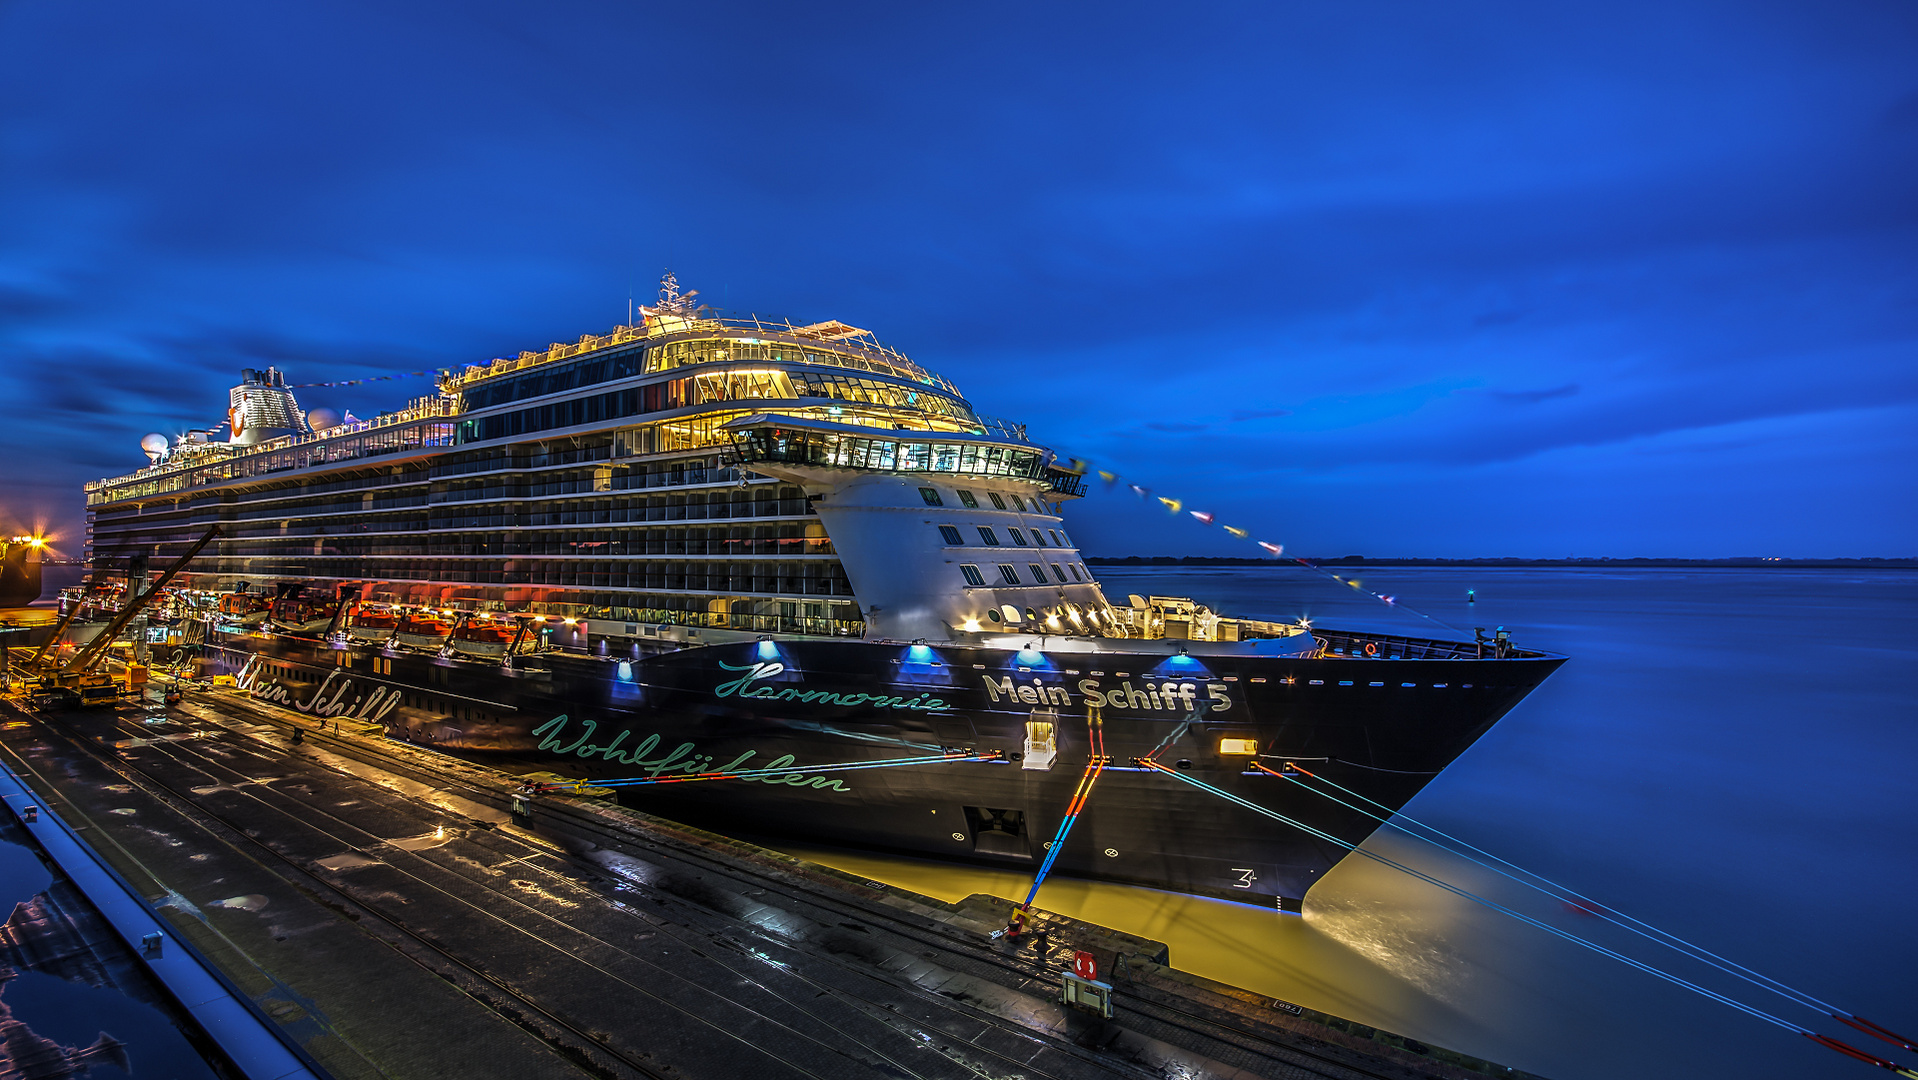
1239, 747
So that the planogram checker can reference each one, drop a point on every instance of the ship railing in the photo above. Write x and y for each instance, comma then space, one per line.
1348, 644
1070, 485
199, 463
671, 326
630, 622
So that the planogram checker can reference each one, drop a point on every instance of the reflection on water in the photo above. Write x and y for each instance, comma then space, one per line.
1727, 755
74, 1000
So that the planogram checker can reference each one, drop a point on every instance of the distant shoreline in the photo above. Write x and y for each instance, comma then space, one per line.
1349, 561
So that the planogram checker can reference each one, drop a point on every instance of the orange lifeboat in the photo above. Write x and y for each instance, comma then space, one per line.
482, 637
243, 609
299, 616
422, 630
372, 624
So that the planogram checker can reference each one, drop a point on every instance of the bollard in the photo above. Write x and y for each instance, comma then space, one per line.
31, 814
151, 944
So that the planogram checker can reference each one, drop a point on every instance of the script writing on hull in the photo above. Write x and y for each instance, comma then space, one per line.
329, 700
682, 760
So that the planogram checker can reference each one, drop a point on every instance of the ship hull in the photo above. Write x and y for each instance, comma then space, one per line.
795, 705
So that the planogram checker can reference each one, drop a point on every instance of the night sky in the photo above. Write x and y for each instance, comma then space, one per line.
1394, 279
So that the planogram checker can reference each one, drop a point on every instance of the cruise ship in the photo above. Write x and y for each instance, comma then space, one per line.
780, 581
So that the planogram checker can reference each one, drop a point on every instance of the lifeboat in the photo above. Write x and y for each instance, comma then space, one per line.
372, 624
243, 609
422, 630
298, 616
488, 638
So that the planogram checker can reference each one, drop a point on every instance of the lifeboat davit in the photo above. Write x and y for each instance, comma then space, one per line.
422, 630
372, 624
297, 616
243, 609
487, 638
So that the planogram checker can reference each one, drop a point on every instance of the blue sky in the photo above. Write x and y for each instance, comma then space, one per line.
1613, 279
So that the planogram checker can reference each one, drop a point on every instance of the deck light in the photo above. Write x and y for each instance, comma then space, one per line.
625, 671
971, 626
1239, 747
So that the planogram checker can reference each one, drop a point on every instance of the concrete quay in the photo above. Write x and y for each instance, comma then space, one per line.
383, 904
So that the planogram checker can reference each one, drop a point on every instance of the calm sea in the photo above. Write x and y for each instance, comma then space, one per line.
1729, 756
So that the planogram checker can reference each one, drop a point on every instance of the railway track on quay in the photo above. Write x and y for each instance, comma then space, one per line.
655, 954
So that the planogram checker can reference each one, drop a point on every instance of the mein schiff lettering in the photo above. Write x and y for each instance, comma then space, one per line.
1170, 695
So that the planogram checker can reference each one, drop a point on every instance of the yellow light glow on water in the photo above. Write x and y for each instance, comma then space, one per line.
1242, 747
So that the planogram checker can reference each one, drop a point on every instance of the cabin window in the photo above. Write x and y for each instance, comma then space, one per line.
1017, 502
950, 534
986, 534
1010, 575
1056, 542
996, 500
1058, 573
1018, 537
966, 500
973, 577
1075, 572
931, 495
1038, 538
1038, 572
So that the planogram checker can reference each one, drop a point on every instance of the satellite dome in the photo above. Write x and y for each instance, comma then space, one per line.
321, 419
154, 443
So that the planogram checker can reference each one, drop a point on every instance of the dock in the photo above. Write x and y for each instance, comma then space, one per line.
386, 907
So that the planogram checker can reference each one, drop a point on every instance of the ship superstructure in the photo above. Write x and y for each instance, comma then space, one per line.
599, 479
704, 545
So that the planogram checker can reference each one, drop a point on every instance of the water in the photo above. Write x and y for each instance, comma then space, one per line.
74, 1014
1728, 756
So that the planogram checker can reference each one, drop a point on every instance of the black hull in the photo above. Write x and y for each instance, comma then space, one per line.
1382, 728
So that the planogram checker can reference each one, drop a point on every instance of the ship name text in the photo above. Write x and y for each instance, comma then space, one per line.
1171, 695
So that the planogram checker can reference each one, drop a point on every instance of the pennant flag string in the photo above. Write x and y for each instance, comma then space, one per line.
368, 379
1082, 466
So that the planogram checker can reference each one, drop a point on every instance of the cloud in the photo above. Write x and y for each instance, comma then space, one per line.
1533, 397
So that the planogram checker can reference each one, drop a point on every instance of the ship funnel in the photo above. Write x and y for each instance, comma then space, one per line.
263, 408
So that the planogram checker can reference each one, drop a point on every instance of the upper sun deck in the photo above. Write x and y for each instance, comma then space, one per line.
420, 425
678, 340
875, 385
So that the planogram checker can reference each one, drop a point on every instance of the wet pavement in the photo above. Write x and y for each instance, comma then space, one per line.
384, 906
